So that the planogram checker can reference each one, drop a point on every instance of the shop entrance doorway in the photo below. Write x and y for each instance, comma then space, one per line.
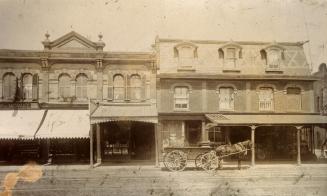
126, 141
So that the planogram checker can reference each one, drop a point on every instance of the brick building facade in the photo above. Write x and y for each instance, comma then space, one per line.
227, 92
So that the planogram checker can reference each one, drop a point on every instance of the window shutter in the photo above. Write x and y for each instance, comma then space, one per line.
128, 88
110, 87
143, 88
35, 87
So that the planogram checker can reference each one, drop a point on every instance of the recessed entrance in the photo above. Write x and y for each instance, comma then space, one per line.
126, 141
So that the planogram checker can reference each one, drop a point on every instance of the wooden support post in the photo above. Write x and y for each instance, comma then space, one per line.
204, 134
183, 133
98, 144
298, 129
91, 146
156, 138
253, 145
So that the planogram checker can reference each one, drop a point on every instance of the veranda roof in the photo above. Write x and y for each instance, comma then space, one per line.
265, 119
19, 124
65, 124
141, 113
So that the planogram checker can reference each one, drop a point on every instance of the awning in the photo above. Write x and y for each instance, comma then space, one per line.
273, 119
141, 113
19, 124
65, 124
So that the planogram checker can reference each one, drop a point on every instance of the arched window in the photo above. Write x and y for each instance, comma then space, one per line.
266, 99
273, 58
230, 57
186, 53
119, 87
64, 86
136, 87
226, 98
9, 86
181, 97
294, 98
28, 86
81, 87
221, 53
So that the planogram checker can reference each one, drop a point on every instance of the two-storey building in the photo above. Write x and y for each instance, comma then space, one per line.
230, 91
320, 87
45, 97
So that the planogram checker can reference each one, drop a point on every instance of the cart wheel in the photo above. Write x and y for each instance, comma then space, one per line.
197, 161
209, 161
175, 160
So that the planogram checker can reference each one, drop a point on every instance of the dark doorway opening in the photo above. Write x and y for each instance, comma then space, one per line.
275, 143
126, 141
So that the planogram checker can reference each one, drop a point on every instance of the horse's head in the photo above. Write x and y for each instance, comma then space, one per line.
247, 144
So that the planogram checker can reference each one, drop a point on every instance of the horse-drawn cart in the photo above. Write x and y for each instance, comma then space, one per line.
207, 158
176, 158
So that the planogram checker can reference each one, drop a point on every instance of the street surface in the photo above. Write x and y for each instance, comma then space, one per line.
263, 180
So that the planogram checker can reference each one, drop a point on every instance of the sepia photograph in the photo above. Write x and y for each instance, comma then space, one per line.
163, 97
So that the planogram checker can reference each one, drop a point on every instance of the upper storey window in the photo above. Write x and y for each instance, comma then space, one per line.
230, 54
81, 87
226, 98
272, 57
294, 99
119, 88
266, 99
186, 54
181, 98
28, 86
64, 86
136, 87
9, 86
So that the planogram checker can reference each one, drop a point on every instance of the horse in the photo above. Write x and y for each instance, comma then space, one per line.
240, 149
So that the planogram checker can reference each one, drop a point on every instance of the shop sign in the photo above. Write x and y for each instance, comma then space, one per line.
19, 105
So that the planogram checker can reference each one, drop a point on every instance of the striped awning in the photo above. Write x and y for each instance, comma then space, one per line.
65, 124
136, 112
19, 124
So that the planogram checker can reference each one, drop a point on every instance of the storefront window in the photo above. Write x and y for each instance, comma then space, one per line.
216, 135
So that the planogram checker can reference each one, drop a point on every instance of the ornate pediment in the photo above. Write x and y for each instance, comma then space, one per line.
73, 41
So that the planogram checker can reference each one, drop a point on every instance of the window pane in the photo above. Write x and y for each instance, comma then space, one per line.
186, 52
119, 87
27, 86
265, 98
181, 97
135, 87
231, 53
81, 86
226, 98
64, 86
273, 58
9, 86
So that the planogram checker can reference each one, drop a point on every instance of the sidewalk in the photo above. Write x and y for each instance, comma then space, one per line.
8, 168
